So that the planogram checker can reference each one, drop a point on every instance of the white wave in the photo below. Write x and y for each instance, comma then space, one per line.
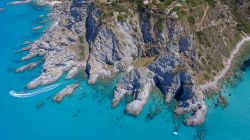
34, 92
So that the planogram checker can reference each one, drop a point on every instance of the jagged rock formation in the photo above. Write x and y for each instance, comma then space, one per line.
67, 91
27, 67
58, 42
115, 47
139, 83
170, 44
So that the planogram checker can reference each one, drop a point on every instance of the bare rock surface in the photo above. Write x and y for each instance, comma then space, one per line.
55, 46
27, 67
139, 83
67, 91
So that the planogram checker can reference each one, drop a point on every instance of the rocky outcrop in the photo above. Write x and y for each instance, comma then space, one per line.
199, 110
114, 47
67, 91
165, 78
167, 74
27, 67
73, 72
55, 46
139, 83
113, 50
92, 23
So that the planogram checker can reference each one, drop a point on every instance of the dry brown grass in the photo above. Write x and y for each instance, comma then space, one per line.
143, 62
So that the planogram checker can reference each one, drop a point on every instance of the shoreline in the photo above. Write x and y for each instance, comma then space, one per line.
215, 84
55, 47
235, 72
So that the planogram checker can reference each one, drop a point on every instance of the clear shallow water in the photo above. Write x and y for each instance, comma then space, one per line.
88, 114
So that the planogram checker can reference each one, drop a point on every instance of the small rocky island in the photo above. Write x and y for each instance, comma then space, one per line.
180, 47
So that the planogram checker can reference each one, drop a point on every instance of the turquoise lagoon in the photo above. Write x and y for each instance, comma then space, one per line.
88, 114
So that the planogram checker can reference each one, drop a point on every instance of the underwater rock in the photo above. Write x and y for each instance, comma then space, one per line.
222, 100
39, 105
77, 113
245, 65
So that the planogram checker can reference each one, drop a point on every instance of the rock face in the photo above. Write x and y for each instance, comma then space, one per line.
67, 91
165, 78
139, 83
73, 72
166, 74
114, 47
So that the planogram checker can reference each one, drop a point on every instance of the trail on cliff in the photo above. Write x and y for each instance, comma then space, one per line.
222, 74
33, 92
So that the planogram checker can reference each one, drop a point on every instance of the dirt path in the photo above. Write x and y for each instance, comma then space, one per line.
214, 83
203, 17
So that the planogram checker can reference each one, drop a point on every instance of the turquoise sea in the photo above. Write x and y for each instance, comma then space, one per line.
88, 114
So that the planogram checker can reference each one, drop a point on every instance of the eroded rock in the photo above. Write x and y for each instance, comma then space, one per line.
28, 66
67, 91
139, 83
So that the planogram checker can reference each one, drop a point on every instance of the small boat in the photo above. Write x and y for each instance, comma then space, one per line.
2, 9
33, 92
175, 133
12, 92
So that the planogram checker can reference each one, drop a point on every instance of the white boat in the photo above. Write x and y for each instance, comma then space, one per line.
175, 133
33, 92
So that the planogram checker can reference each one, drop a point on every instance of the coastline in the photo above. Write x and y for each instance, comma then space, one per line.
235, 73
54, 46
216, 83
88, 112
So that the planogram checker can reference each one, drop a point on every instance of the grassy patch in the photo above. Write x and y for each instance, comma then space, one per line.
143, 62
202, 38
191, 20
211, 2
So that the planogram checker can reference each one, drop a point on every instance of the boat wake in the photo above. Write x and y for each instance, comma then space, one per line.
34, 92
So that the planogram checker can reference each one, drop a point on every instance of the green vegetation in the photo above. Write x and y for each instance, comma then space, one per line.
192, 3
121, 17
242, 26
167, 2
203, 39
241, 14
81, 39
159, 24
191, 20
211, 2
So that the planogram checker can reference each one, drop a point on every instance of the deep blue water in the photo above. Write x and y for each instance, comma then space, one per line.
88, 114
